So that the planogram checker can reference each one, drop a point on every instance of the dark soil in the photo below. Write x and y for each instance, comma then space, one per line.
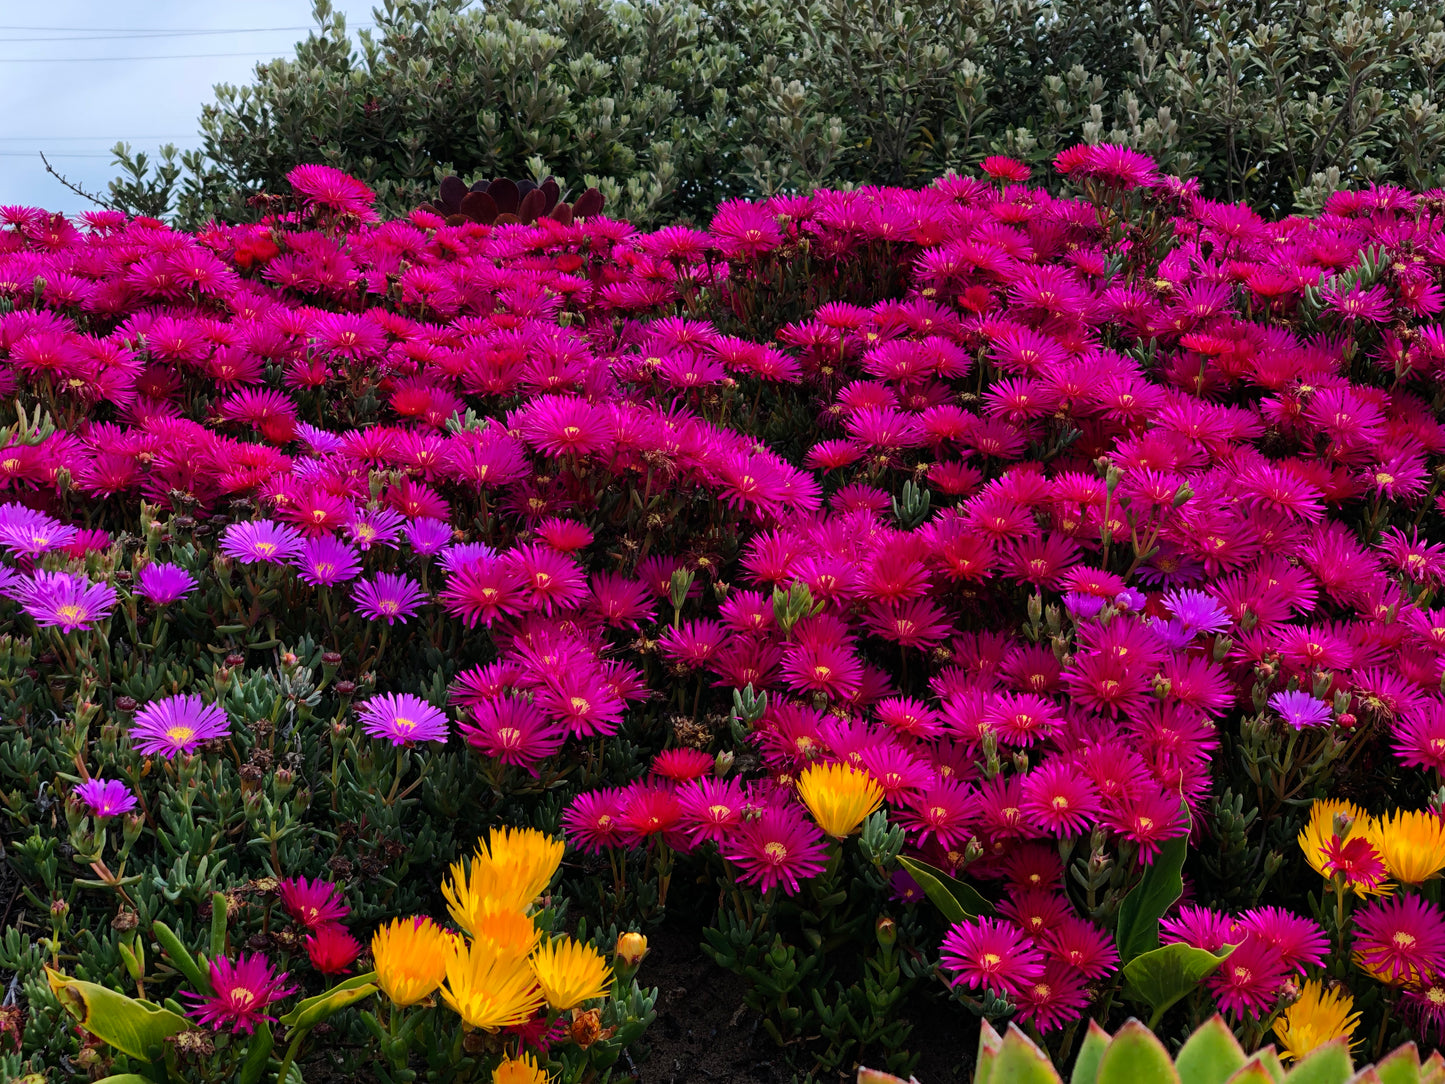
704, 1032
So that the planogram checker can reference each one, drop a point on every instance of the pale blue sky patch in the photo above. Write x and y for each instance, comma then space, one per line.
78, 75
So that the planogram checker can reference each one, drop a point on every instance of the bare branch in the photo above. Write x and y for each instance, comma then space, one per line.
75, 187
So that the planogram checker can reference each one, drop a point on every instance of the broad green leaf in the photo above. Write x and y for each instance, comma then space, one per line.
1086, 1065
1136, 1057
1210, 1055
1400, 1066
1328, 1063
1137, 930
1162, 976
305, 1010
133, 1027
956, 900
1022, 1062
990, 1044
257, 1052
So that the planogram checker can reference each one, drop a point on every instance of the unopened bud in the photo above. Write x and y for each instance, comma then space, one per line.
631, 948
886, 931
723, 764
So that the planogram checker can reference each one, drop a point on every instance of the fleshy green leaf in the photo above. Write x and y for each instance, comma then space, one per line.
956, 900
1162, 976
1136, 1056
1210, 1055
1086, 1065
181, 957
257, 1053
1252, 1072
1400, 1066
312, 1011
1328, 1063
133, 1027
1137, 930
990, 1044
1022, 1062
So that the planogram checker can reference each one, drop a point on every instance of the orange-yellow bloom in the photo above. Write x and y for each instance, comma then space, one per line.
839, 796
411, 958
489, 992
506, 874
1318, 1017
520, 1070
570, 973
1413, 845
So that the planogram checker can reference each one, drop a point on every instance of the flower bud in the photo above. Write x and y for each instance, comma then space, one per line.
235, 659
631, 948
125, 703
723, 764
886, 930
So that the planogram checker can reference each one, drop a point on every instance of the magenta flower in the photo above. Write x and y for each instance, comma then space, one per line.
177, 724
314, 904
778, 847
1400, 939
163, 583
388, 598
402, 719
987, 954
261, 541
65, 600
106, 797
513, 730
593, 820
241, 992
332, 188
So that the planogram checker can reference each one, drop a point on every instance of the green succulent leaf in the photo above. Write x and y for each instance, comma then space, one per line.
1401, 1066
1211, 1055
956, 900
1020, 1061
1137, 929
1136, 1056
1086, 1065
133, 1027
1326, 1064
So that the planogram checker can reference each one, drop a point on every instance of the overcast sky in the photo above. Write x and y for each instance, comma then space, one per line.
77, 75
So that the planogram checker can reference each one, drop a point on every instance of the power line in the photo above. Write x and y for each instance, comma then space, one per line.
103, 35
118, 59
159, 30
31, 154
47, 138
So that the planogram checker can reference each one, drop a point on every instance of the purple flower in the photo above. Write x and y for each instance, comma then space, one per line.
106, 797
261, 540
376, 527
177, 724
402, 719
1300, 709
319, 441
66, 599
28, 533
325, 561
1079, 604
164, 583
388, 598
427, 537
1196, 611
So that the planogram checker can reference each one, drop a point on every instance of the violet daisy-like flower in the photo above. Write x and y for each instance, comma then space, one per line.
388, 598
1299, 709
1400, 939
28, 533
402, 719
1197, 611
67, 600
326, 561
427, 537
778, 847
177, 724
261, 540
106, 797
242, 991
375, 527
312, 903
986, 953
162, 583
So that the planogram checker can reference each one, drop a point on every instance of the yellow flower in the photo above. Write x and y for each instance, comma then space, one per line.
512, 935
570, 973
411, 958
839, 796
1317, 1017
631, 948
1316, 836
1414, 845
490, 992
520, 1070
506, 875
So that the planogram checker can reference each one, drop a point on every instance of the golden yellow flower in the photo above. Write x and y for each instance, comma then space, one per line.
1316, 835
520, 1070
839, 796
490, 992
512, 935
506, 874
570, 973
1414, 845
1317, 1017
411, 958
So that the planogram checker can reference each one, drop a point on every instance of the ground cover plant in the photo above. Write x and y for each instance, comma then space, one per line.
953, 604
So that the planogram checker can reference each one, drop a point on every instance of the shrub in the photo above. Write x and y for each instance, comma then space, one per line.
673, 107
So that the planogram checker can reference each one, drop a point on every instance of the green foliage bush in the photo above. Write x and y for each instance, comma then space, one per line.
671, 106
